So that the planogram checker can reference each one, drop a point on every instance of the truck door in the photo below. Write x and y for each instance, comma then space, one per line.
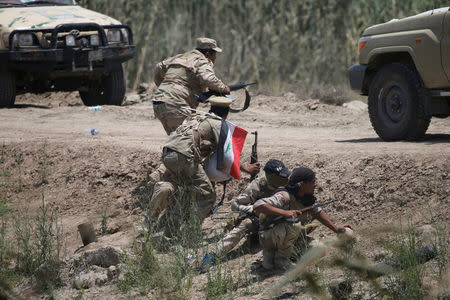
445, 46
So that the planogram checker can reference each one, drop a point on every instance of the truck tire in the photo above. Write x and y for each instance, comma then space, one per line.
7, 88
111, 89
396, 103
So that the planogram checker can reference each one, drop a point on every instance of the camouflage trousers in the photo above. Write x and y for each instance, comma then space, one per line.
193, 186
233, 237
278, 242
170, 116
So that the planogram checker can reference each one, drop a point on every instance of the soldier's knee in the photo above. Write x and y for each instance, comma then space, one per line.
247, 224
164, 187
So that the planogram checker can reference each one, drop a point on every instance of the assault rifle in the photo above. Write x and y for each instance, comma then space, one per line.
282, 219
254, 154
203, 97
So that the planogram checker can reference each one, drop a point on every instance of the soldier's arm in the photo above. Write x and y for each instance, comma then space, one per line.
323, 218
160, 72
208, 78
244, 201
276, 205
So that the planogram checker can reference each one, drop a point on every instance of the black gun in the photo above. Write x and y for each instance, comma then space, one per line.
282, 219
203, 97
216, 208
254, 154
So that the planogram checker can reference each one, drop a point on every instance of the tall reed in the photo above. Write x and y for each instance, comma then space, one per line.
290, 43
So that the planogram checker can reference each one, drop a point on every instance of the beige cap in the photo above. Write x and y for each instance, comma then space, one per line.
207, 44
220, 101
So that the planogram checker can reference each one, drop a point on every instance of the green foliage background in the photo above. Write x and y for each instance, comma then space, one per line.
278, 43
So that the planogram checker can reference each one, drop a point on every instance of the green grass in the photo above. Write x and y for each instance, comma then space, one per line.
30, 242
219, 282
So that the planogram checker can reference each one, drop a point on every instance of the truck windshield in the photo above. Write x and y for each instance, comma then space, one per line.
37, 2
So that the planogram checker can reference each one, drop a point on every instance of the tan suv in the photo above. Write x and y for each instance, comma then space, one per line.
56, 45
405, 70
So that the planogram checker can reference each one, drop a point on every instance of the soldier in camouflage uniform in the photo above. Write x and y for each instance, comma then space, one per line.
185, 150
277, 239
180, 77
276, 175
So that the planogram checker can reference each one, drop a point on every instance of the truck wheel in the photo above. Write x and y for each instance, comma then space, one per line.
111, 89
7, 88
396, 103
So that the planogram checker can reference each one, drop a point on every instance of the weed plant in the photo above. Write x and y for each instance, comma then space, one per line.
401, 277
168, 255
39, 245
165, 261
3, 153
104, 222
34, 244
19, 160
44, 164
406, 284
220, 282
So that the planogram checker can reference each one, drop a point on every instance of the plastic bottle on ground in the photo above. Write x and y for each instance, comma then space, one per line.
94, 108
91, 131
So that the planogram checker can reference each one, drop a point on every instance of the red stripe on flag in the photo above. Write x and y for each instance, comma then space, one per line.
238, 140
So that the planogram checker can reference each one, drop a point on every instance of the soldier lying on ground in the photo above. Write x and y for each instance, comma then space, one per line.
184, 152
180, 77
277, 239
275, 175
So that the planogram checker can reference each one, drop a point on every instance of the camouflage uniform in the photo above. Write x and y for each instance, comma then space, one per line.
178, 78
243, 203
184, 152
278, 240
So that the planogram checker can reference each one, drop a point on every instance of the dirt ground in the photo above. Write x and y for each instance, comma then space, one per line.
376, 183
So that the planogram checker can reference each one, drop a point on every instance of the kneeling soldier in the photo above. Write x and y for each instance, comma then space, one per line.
277, 239
275, 175
183, 155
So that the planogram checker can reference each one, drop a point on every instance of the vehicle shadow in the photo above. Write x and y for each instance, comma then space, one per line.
30, 106
428, 139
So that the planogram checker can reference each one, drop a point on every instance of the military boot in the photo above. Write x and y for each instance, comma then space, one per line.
268, 259
282, 258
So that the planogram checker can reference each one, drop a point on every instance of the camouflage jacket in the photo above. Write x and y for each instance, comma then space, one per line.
197, 137
257, 189
180, 77
286, 201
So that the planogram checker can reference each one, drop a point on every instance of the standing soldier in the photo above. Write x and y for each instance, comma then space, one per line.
179, 77
277, 239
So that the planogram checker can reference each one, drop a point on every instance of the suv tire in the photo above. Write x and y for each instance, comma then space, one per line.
7, 88
110, 90
396, 103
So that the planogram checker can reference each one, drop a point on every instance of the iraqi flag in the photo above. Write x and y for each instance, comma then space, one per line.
225, 162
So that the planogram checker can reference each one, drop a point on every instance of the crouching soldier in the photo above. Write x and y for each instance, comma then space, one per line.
275, 175
277, 238
183, 155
